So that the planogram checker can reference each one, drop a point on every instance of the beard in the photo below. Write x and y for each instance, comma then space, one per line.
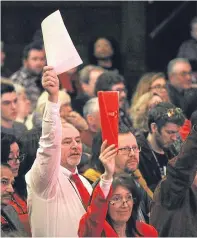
159, 141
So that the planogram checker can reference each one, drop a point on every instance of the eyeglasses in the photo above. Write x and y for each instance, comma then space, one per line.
119, 200
20, 158
127, 150
159, 87
120, 90
184, 73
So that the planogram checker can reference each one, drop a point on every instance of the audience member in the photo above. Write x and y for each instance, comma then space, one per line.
111, 81
116, 215
54, 187
29, 75
126, 160
10, 223
5, 72
139, 111
174, 209
92, 117
164, 121
88, 77
180, 81
105, 52
188, 49
10, 154
151, 82
9, 110
24, 106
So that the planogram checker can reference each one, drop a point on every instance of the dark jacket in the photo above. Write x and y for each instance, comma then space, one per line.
177, 96
147, 164
188, 50
17, 229
174, 208
182, 98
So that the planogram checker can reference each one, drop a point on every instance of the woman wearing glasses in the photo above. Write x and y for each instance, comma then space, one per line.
10, 154
116, 214
151, 82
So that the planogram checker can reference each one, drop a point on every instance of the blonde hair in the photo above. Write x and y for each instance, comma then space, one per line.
144, 85
7, 81
139, 111
63, 99
19, 89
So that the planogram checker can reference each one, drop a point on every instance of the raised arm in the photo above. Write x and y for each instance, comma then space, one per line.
44, 172
92, 223
181, 174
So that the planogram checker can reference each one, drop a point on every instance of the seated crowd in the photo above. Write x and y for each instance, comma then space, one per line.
59, 178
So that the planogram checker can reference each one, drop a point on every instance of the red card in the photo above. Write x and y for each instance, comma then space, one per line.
109, 114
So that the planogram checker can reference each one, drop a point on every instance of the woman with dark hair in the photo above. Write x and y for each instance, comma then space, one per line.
10, 154
104, 52
115, 216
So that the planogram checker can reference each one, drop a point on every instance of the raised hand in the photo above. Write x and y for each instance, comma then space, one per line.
107, 157
50, 83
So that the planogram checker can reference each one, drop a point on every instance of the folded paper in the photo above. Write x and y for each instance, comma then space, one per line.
109, 114
60, 51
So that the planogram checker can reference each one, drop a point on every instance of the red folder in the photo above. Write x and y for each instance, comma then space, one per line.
109, 114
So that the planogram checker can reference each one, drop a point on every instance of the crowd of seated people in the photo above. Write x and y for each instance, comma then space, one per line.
60, 179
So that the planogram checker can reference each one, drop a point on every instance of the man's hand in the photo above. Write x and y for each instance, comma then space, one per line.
77, 121
50, 83
107, 157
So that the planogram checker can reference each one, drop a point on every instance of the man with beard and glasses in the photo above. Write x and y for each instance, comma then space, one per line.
159, 145
57, 195
10, 223
29, 75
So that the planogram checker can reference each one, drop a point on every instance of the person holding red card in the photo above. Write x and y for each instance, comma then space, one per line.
116, 215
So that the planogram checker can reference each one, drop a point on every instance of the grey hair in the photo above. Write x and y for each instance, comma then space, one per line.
173, 62
84, 74
91, 106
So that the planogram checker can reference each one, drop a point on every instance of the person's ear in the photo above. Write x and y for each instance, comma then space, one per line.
153, 127
90, 119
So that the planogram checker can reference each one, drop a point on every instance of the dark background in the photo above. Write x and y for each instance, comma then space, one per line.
130, 23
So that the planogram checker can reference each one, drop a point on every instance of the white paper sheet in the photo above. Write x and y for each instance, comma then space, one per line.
60, 51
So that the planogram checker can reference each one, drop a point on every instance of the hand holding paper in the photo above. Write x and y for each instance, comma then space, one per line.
60, 51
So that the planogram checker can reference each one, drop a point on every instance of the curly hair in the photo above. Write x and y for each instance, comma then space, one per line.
139, 111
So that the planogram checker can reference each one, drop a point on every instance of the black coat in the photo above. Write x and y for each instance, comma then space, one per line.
174, 208
147, 164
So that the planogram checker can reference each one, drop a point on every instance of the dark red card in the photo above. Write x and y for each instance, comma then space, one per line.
109, 114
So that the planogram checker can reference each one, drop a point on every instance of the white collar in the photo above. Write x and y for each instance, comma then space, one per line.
67, 172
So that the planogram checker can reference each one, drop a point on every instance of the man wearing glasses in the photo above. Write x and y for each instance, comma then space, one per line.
180, 81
